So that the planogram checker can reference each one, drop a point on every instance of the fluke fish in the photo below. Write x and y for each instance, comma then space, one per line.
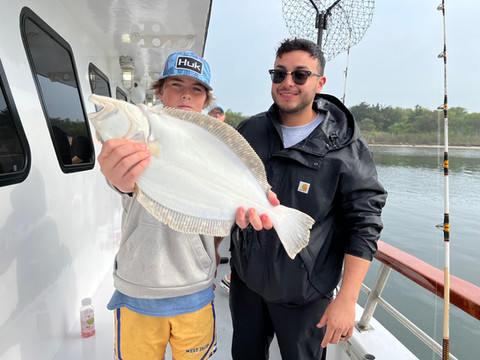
200, 172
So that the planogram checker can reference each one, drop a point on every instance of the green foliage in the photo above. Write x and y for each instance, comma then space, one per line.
395, 125
234, 118
385, 124
71, 128
398, 128
367, 124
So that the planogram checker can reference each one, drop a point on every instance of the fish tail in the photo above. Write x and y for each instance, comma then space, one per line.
293, 229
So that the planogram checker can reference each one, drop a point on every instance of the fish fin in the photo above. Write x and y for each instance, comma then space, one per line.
293, 229
228, 135
154, 149
99, 137
181, 222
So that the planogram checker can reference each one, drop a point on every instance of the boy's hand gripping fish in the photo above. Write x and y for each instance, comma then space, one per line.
200, 172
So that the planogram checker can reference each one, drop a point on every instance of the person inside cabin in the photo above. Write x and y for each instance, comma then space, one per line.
81, 150
217, 112
316, 161
163, 278
62, 141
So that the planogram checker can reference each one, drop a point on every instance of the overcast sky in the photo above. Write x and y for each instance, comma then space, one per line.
395, 64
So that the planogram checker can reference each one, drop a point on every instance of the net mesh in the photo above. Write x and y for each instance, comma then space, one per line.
346, 21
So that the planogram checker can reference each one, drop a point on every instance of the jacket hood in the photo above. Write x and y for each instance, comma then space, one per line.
337, 130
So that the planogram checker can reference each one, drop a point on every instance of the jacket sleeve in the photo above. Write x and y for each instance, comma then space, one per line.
362, 200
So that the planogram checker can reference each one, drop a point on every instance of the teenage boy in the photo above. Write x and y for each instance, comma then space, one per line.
163, 278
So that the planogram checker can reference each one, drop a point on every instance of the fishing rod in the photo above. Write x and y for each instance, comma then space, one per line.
446, 218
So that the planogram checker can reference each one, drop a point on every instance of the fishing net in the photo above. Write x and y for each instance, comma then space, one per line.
342, 23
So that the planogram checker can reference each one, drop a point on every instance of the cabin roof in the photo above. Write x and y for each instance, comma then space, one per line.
146, 30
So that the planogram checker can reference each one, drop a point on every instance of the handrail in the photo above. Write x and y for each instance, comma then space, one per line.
374, 298
464, 295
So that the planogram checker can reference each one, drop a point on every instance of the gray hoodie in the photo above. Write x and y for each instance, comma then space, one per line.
156, 262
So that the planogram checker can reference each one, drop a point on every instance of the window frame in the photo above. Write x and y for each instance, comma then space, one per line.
100, 73
28, 15
16, 177
93, 68
122, 92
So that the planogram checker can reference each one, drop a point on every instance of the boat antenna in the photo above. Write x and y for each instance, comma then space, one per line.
346, 69
446, 217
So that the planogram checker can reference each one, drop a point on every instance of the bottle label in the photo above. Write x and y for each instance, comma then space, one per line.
87, 322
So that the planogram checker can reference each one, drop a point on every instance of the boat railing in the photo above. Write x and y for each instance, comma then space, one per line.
464, 295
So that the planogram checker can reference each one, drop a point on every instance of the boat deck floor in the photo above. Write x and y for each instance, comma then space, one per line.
101, 345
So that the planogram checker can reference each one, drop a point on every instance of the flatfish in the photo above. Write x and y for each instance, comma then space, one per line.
201, 171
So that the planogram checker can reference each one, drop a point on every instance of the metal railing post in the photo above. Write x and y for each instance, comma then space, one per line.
373, 297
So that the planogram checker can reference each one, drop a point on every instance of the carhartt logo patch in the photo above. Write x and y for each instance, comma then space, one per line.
189, 63
303, 187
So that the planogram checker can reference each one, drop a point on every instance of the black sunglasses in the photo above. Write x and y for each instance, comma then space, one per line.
299, 77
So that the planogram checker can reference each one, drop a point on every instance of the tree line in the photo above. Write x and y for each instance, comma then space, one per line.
395, 125
418, 126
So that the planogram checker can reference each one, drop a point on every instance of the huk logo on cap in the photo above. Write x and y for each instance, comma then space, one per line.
303, 187
189, 63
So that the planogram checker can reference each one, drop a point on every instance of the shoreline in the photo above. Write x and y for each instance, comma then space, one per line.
473, 147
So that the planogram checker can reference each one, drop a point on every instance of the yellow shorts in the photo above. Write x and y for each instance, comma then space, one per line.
192, 336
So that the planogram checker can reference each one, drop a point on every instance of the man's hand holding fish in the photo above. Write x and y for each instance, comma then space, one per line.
258, 222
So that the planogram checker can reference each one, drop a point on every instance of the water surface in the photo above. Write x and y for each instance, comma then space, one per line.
413, 177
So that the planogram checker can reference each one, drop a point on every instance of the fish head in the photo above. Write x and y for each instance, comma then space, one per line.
118, 119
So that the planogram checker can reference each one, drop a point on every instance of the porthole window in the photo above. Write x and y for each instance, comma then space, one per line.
53, 67
98, 83
14, 149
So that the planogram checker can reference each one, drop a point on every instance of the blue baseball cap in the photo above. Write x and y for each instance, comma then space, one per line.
216, 106
187, 63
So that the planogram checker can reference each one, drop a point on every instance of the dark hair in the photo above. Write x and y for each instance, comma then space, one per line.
308, 46
157, 86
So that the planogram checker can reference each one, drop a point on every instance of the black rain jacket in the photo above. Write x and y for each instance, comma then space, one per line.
344, 197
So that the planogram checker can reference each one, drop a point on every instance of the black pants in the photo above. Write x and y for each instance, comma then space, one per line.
255, 321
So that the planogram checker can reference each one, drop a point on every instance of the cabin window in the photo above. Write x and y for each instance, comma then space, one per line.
121, 95
53, 67
14, 149
98, 83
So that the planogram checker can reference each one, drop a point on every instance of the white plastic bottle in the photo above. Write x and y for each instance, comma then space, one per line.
87, 319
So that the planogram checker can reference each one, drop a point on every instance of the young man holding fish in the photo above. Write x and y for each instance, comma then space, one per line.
163, 278
316, 162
